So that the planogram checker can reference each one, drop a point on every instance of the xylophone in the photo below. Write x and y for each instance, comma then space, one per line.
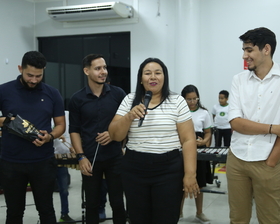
217, 154
67, 160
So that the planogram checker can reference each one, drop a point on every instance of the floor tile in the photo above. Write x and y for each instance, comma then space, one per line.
215, 205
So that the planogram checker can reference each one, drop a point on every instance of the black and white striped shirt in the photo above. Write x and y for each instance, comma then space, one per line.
158, 133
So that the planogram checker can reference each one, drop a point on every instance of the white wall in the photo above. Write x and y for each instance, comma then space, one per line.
222, 22
152, 36
17, 35
197, 39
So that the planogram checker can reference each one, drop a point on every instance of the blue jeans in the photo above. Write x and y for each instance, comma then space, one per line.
41, 176
92, 186
62, 175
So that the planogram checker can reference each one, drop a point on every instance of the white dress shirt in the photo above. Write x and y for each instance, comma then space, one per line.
259, 101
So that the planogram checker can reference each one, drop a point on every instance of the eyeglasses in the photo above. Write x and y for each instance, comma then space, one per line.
194, 100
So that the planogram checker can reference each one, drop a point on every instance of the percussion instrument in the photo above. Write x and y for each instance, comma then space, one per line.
217, 154
67, 159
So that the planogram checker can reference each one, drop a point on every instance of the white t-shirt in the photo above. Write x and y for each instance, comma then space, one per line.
221, 116
158, 133
201, 120
256, 100
59, 146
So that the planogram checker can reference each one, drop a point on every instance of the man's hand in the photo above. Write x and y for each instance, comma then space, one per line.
42, 139
85, 167
103, 138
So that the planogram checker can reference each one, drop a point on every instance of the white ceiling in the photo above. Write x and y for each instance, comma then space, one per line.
41, 0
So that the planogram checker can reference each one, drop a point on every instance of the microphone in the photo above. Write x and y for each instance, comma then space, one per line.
147, 99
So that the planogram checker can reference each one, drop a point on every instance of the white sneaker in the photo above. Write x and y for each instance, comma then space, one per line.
202, 219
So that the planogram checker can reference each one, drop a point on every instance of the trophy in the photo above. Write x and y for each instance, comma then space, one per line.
21, 127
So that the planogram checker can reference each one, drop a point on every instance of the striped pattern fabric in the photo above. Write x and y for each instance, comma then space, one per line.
158, 133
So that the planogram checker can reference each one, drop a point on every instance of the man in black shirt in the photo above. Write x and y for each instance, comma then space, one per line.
90, 112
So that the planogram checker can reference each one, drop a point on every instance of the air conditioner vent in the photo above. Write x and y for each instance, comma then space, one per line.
106, 10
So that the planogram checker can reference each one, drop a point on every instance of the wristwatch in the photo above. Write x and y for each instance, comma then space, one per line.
80, 156
52, 138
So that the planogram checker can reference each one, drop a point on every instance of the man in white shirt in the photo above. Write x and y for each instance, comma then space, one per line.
253, 169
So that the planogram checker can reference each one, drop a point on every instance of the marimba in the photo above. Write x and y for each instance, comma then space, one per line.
67, 160
217, 154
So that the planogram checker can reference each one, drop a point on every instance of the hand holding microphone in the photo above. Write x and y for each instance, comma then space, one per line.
147, 99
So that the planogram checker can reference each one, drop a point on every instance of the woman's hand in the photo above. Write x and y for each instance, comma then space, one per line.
137, 112
191, 187
200, 141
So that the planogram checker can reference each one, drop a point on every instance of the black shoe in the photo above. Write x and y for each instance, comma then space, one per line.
66, 219
102, 215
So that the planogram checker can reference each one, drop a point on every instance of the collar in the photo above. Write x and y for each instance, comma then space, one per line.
274, 71
194, 110
106, 88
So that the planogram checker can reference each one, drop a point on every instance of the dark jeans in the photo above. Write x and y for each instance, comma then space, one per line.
41, 176
103, 199
62, 176
92, 186
153, 185
222, 134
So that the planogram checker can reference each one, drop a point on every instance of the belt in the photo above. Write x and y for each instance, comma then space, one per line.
152, 157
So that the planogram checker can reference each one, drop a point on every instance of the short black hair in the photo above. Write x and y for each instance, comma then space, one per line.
89, 58
260, 37
35, 59
224, 92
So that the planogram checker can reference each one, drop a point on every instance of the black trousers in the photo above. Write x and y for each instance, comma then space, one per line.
92, 186
222, 134
153, 186
41, 176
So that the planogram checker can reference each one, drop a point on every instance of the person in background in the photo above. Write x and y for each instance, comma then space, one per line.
104, 188
220, 116
1, 190
153, 170
90, 112
202, 126
23, 161
253, 169
62, 174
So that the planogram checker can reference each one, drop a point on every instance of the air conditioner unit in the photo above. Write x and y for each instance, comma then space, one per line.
95, 11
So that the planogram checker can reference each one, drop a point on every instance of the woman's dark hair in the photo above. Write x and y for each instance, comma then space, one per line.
260, 37
34, 59
190, 89
140, 91
224, 92
89, 58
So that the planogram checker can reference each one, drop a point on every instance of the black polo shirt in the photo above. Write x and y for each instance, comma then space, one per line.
38, 106
89, 115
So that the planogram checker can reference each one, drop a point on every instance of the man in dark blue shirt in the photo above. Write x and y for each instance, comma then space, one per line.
90, 112
24, 161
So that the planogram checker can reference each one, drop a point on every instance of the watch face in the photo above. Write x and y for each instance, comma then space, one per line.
80, 155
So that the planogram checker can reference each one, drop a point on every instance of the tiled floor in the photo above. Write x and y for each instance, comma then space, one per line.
215, 205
